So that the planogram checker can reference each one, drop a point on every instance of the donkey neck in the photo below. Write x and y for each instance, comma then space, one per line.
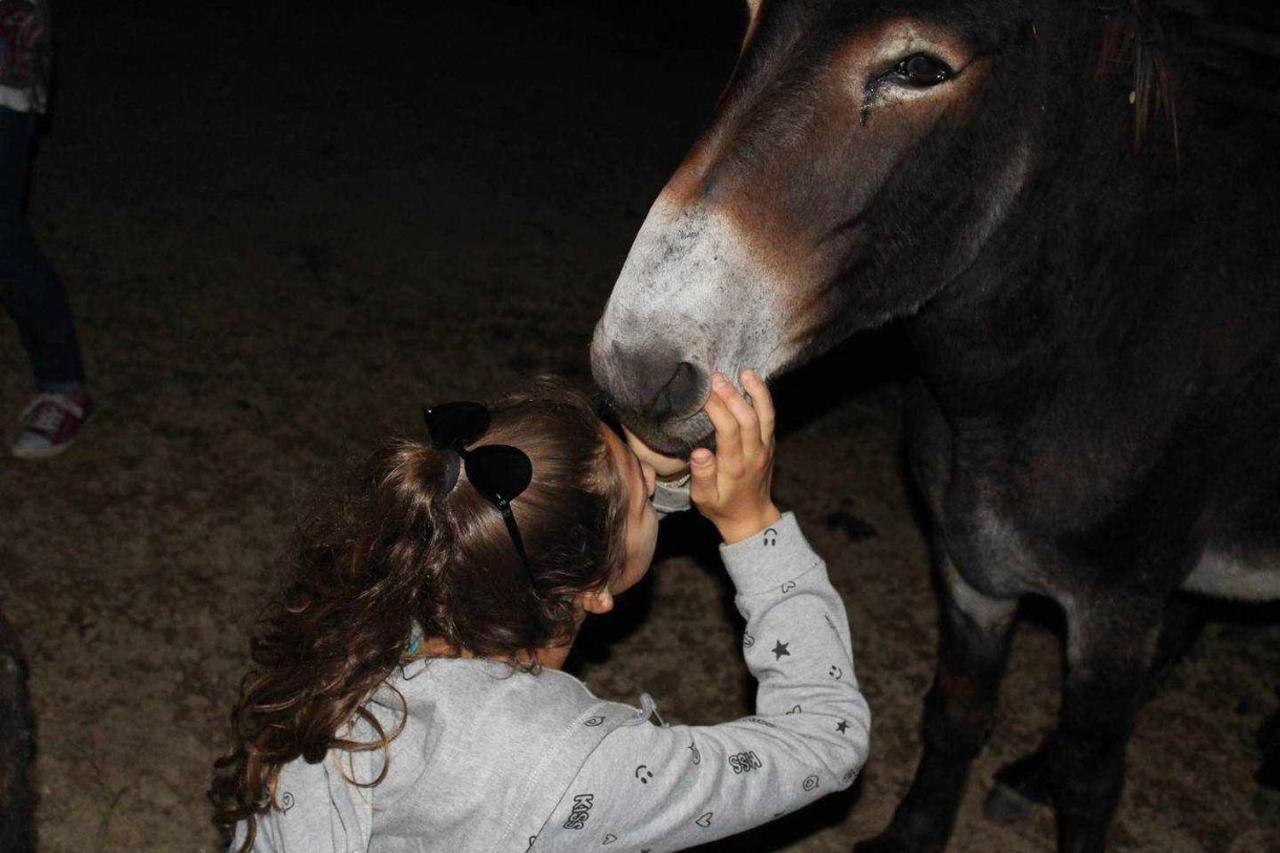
1006, 329
1065, 262
982, 351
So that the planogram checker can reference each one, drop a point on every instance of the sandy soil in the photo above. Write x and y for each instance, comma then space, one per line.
283, 232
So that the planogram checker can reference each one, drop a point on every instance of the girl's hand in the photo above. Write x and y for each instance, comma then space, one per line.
731, 487
666, 467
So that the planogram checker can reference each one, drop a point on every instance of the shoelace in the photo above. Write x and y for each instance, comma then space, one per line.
49, 417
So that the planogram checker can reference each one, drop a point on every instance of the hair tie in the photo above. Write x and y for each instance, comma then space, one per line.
452, 468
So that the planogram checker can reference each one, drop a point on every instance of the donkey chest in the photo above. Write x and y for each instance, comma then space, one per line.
1002, 502
983, 533
990, 548
1223, 574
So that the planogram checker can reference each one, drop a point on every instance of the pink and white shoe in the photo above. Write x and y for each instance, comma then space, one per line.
51, 423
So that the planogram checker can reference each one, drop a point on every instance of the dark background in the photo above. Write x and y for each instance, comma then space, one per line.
284, 228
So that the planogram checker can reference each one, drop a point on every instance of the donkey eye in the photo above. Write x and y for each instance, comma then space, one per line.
922, 70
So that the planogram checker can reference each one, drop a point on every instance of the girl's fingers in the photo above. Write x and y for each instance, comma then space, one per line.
702, 486
745, 415
728, 434
665, 466
632, 441
762, 402
650, 476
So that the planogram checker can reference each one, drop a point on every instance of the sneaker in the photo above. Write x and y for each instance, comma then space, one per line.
51, 423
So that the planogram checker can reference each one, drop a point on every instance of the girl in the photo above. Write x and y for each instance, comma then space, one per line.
408, 694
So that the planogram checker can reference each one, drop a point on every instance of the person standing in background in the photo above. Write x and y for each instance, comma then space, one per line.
30, 288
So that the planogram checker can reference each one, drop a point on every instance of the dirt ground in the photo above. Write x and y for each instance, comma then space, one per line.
284, 229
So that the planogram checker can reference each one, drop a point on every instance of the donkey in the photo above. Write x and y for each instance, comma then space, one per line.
1082, 264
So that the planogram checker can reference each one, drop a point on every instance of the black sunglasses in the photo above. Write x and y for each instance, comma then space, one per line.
499, 472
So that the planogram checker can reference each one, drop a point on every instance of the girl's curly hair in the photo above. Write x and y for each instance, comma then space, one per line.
396, 551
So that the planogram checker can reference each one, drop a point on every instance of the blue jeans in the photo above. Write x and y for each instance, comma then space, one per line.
29, 287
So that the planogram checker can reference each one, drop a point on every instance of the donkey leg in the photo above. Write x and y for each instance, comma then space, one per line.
1111, 645
959, 709
1022, 786
1026, 784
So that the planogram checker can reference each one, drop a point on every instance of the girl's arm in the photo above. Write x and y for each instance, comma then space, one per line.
316, 809
656, 789
653, 788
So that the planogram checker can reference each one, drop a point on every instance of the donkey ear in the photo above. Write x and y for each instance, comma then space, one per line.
753, 16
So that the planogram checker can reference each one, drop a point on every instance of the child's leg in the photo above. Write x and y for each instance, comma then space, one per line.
29, 286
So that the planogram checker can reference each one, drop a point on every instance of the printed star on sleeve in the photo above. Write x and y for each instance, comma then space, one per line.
842, 726
780, 649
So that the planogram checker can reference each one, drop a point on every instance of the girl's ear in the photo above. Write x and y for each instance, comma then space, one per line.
597, 601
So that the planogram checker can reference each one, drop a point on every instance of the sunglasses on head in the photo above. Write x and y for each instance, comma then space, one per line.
499, 472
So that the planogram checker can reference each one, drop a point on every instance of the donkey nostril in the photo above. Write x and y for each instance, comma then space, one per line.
683, 393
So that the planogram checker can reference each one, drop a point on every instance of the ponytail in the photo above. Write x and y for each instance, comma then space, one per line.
401, 552
337, 631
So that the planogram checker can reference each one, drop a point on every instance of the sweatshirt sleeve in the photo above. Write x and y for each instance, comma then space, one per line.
653, 788
317, 810
671, 496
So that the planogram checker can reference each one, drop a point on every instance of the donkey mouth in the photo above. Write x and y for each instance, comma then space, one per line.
656, 395
676, 436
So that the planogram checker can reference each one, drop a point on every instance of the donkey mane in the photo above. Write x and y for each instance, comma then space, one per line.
1135, 38
1181, 54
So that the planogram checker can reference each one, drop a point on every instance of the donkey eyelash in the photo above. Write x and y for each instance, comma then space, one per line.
894, 76
900, 71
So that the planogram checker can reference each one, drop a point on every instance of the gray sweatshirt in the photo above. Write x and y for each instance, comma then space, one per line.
491, 759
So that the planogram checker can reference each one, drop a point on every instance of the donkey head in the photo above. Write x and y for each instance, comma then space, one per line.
859, 159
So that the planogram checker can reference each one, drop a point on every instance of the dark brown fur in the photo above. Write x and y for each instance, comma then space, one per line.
1099, 372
